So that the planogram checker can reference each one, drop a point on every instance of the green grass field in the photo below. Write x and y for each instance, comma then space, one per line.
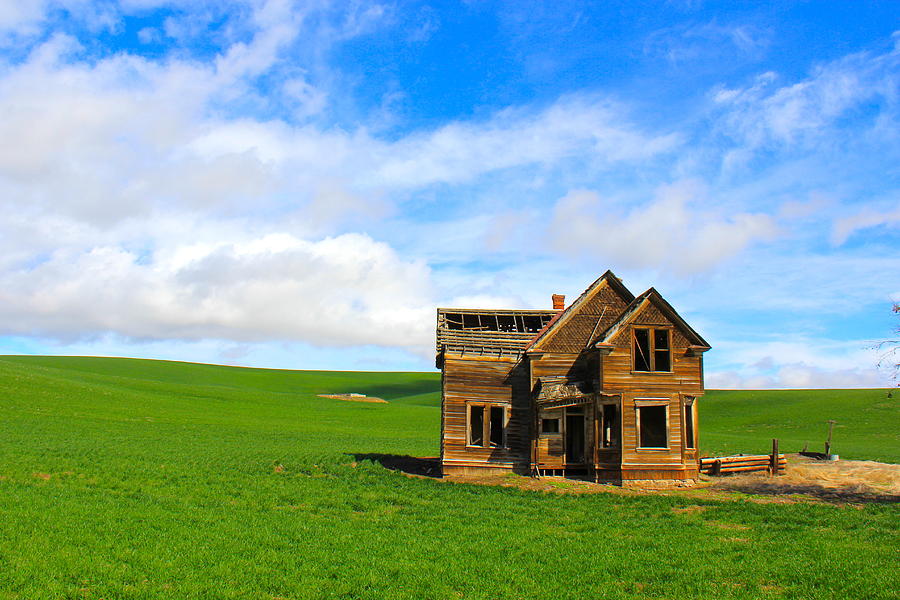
867, 422
140, 479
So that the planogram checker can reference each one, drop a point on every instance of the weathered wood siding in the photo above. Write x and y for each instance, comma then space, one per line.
494, 381
685, 379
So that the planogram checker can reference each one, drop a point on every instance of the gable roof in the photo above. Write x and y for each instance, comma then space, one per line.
560, 318
657, 300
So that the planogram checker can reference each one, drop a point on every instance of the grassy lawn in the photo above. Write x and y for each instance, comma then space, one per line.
139, 479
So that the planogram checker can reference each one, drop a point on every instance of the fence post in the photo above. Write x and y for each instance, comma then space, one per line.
774, 464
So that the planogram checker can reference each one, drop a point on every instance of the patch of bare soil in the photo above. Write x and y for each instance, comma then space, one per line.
833, 481
806, 479
354, 398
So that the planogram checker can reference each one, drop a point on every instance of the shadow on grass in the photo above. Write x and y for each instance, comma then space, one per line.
411, 465
854, 494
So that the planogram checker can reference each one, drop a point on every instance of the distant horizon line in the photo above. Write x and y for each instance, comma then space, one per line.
233, 366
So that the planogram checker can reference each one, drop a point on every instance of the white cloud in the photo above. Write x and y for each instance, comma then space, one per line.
129, 198
15, 14
798, 362
346, 290
679, 231
765, 114
798, 376
846, 226
125, 136
707, 41
573, 128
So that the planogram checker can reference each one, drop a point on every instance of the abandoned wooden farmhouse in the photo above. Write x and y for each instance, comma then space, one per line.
606, 387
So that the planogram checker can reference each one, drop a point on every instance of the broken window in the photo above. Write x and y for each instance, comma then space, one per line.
689, 423
642, 350
498, 414
549, 425
476, 426
652, 350
609, 426
652, 426
487, 426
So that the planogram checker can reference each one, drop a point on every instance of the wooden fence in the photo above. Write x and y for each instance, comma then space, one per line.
721, 465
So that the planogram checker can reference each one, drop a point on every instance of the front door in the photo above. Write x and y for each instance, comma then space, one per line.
574, 439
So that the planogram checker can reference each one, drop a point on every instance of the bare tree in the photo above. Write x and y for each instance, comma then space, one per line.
890, 351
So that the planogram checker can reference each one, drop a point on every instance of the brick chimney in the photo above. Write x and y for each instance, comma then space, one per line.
559, 301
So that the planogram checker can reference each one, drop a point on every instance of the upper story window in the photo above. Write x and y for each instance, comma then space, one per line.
652, 350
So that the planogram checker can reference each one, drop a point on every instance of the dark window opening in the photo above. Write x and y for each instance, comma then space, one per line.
652, 350
661, 355
609, 434
487, 426
642, 350
689, 426
550, 425
476, 426
653, 427
497, 417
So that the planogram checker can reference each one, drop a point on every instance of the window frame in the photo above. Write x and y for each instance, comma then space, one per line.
640, 403
486, 424
651, 342
689, 404
558, 431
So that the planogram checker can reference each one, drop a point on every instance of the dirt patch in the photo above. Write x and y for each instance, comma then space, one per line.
805, 480
354, 398
834, 481
44, 476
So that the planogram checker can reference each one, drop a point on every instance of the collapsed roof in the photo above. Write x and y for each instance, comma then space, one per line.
514, 332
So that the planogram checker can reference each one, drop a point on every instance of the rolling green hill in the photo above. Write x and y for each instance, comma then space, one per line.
124, 478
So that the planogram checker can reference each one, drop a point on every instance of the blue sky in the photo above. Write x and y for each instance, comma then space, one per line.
300, 184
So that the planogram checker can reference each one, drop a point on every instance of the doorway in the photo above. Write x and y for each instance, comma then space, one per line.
574, 439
